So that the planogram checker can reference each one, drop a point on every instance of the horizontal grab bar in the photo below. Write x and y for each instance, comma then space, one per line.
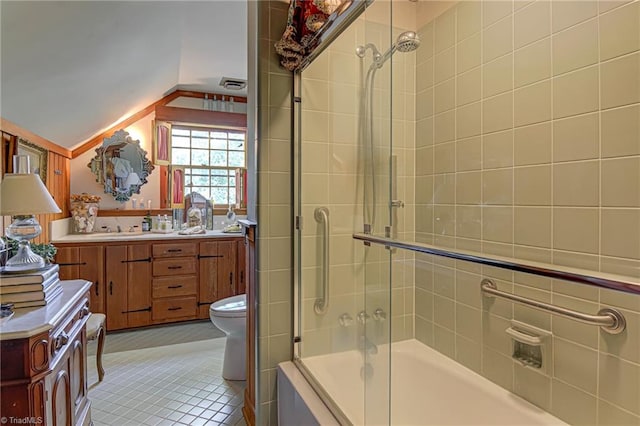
592, 278
610, 320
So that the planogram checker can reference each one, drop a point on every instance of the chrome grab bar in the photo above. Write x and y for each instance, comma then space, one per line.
610, 320
321, 215
592, 278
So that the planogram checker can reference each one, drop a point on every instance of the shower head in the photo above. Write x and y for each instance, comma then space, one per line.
408, 41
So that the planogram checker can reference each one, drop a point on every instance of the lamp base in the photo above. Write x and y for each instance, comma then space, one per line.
25, 260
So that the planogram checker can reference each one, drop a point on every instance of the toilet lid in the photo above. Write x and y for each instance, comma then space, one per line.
235, 306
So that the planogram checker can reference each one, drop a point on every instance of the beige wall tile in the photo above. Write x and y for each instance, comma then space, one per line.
568, 229
444, 341
445, 96
618, 381
493, 335
444, 192
468, 221
444, 127
576, 47
610, 415
498, 368
497, 187
532, 186
629, 347
621, 182
424, 161
444, 65
532, 386
468, 322
620, 31
469, 154
497, 76
424, 190
468, 120
532, 226
576, 138
621, 131
497, 150
493, 11
532, 63
575, 93
532, 23
620, 81
532, 104
576, 184
568, 13
469, 17
424, 104
427, 42
532, 144
445, 157
424, 75
468, 353
607, 5
497, 40
575, 364
424, 132
571, 404
343, 98
576, 260
445, 30
497, 113
469, 87
497, 224
468, 53
620, 231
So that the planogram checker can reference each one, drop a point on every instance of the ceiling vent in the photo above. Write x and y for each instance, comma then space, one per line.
233, 83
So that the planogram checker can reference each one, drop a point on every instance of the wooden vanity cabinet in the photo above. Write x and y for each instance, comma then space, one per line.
217, 263
87, 263
44, 373
128, 285
175, 279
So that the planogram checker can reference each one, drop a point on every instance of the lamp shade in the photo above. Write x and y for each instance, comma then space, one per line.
25, 194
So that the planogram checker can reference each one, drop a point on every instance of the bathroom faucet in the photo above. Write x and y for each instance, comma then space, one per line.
367, 347
118, 228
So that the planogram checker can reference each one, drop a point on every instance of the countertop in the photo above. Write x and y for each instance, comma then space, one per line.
138, 236
28, 322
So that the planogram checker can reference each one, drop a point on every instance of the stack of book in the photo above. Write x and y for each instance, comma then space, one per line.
26, 290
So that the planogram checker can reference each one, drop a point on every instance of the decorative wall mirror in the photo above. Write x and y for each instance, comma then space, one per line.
121, 166
37, 156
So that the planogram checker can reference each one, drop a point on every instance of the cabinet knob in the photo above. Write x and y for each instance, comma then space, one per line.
61, 340
84, 312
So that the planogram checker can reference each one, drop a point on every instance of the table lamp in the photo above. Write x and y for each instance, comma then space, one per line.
23, 195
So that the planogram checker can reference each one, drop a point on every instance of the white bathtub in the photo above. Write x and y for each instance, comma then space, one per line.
427, 388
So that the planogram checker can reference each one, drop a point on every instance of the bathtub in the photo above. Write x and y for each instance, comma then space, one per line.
427, 388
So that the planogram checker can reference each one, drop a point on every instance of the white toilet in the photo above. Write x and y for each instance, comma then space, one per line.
230, 316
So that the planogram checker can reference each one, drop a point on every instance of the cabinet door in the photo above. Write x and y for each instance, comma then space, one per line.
208, 280
60, 391
241, 273
116, 281
78, 375
91, 268
68, 259
139, 285
226, 269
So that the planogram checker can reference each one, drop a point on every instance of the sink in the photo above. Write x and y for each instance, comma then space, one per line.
116, 234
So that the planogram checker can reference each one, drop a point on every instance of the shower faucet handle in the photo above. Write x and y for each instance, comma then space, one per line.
396, 203
379, 315
363, 317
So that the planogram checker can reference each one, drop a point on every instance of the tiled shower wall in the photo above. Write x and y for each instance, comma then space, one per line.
528, 146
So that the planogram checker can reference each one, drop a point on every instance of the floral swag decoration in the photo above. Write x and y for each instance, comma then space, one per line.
305, 18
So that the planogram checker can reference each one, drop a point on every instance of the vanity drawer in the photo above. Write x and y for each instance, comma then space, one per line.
174, 308
177, 266
180, 285
174, 249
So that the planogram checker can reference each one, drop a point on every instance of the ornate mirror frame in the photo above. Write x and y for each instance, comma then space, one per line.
121, 166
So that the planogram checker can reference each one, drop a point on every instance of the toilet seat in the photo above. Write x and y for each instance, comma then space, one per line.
231, 307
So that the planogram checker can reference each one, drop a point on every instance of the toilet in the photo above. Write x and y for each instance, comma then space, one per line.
230, 316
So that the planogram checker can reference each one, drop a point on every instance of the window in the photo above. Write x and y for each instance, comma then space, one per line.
210, 157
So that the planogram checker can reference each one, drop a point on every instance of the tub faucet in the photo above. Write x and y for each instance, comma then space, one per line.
367, 347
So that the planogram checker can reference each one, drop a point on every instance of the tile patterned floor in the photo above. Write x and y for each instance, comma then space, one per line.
167, 385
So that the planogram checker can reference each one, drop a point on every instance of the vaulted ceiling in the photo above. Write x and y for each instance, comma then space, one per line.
74, 68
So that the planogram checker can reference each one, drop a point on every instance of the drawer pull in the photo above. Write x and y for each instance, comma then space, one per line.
175, 286
174, 309
138, 310
73, 264
147, 259
84, 311
174, 250
97, 285
110, 288
174, 267
205, 256
61, 340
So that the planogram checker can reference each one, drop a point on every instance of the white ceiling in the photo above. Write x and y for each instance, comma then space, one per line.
70, 70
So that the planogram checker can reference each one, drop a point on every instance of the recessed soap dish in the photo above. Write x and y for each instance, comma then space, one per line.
529, 345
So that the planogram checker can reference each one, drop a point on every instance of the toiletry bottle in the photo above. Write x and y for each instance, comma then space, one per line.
214, 103
224, 104
146, 223
206, 102
231, 104
219, 105
157, 225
